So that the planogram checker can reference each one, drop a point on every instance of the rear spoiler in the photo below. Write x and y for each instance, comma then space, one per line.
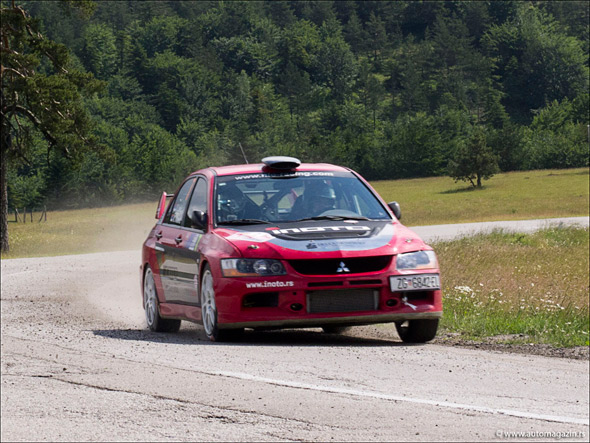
162, 205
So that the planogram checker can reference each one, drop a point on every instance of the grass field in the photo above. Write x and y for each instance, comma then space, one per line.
533, 286
82, 231
510, 196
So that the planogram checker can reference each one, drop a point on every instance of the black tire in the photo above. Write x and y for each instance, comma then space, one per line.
151, 305
330, 329
209, 312
417, 331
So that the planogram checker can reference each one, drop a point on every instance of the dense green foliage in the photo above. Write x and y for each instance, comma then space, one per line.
41, 105
391, 89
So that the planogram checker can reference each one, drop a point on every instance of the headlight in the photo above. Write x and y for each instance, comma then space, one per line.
416, 260
251, 267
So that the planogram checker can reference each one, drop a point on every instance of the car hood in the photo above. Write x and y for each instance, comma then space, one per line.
327, 239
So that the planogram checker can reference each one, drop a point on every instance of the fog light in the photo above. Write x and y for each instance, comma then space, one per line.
296, 307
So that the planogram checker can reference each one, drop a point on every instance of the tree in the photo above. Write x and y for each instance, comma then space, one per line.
295, 86
370, 90
100, 50
335, 65
474, 160
377, 36
355, 35
556, 138
40, 93
414, 146
537, 62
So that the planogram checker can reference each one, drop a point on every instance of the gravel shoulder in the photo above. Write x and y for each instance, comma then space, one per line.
496, 344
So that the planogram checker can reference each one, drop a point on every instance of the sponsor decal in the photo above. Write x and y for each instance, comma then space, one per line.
381, 238
259, 237
193, 242
270, 284
285, 174
320, 229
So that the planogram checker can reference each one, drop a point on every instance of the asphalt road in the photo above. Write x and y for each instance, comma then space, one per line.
79, 365
449, 232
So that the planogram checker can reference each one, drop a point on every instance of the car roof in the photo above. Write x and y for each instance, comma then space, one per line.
257, 168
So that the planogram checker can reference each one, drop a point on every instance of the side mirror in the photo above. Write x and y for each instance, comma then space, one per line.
162, 205
199, 220
394, 206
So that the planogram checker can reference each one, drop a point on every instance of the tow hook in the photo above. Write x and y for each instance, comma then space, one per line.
405, 302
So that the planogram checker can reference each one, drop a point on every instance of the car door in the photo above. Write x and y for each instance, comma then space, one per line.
169, 238
187, 254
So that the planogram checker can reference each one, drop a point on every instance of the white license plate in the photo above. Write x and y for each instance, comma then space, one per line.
418, 282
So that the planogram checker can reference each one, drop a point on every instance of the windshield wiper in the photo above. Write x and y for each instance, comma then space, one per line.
243, 221
334, 217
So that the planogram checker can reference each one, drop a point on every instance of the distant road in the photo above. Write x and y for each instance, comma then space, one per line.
435, 233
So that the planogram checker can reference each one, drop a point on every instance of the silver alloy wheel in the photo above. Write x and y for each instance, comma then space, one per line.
208, 309
151, 300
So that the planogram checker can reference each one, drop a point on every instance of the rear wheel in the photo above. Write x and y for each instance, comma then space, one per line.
209, 311
417, 331
152, 307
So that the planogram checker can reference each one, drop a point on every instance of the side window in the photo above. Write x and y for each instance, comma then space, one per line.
178, 209
198, 200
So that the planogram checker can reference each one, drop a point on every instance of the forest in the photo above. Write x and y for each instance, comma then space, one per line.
393, 89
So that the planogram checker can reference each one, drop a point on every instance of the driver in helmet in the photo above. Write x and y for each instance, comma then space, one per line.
317, 198
232, 204
321, 199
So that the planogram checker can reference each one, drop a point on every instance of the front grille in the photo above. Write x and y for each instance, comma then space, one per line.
351, 300
341, 266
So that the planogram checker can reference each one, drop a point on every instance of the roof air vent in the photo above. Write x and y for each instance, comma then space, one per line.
282, 163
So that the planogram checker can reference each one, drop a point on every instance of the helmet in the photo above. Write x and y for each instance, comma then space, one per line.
319, 189
326, 191
320, 196
231, 199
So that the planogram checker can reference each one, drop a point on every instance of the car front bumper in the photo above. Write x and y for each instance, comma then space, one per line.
307, 302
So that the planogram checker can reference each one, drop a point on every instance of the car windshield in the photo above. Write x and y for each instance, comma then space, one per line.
258, 198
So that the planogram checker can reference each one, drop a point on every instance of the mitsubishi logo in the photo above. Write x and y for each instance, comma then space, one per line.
342, 268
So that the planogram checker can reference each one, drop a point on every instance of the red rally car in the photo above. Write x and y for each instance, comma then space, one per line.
283, 244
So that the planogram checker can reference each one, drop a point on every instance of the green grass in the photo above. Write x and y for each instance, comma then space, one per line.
509, 196
534, 286
82, 231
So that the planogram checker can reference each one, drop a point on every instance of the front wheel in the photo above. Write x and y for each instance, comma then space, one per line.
417, 331
209, 311
151, 306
